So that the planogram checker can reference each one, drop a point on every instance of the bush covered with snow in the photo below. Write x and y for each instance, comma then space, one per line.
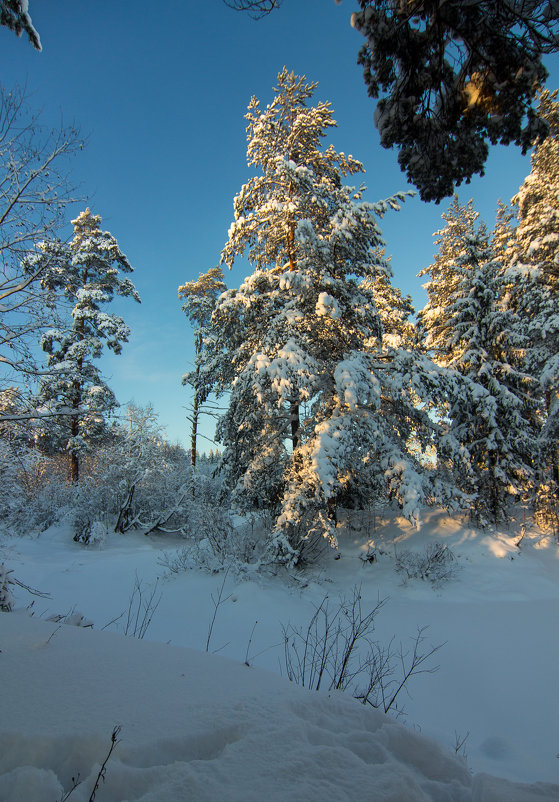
436, 563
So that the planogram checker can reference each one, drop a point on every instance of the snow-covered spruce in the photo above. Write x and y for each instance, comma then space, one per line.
466, 327
533, 276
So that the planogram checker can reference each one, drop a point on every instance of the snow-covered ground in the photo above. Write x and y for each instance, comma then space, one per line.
203, 726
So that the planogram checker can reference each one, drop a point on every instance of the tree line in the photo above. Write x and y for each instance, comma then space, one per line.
334, 397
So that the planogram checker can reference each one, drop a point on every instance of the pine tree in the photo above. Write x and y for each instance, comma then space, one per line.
85, 274
200, 299
14, 14
318, 408
533, 274
454, 76
474, 335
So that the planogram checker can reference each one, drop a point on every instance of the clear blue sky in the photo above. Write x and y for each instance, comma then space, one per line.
160, 90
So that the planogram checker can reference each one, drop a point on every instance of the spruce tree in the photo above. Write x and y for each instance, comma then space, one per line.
474, 335
85, 275
444, 279
533, 275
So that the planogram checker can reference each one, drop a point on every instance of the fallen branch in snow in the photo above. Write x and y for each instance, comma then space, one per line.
6, 598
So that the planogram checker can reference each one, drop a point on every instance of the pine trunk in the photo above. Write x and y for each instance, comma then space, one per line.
74, 430
294, 424
194, 432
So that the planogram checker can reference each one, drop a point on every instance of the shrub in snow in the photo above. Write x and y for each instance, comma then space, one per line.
91, 533
74, 618
436, 564
33, 490
218, 542
135, 479
142, 606
336, 651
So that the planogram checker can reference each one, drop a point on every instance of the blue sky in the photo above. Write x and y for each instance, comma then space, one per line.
160, 90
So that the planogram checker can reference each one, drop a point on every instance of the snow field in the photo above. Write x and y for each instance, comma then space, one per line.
207, 727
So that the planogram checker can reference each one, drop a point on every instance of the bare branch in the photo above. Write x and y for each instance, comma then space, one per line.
256, 8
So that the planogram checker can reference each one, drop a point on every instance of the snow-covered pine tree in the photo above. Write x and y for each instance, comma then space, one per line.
200, 299
85, 274
533, 274
317, 407
475, 336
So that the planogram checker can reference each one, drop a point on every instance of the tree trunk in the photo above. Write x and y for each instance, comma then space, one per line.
74, 430
294, 409
74, 468
76, 401
194, 432
125, 516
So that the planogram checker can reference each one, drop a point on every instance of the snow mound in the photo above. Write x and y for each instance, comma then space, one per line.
199, 726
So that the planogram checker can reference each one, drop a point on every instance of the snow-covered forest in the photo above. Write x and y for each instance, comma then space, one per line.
377, 519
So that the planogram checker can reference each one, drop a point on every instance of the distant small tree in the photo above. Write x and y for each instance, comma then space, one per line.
200, 299
85, 274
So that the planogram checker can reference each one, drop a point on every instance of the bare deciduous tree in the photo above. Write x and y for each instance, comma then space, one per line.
35, 189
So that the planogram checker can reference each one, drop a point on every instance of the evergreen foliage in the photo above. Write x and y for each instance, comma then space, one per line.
14, 14
455, 75
200, 299
467, 327
533, 276
85, 275
320, 411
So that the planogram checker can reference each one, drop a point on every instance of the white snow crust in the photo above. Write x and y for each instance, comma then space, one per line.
202, 726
